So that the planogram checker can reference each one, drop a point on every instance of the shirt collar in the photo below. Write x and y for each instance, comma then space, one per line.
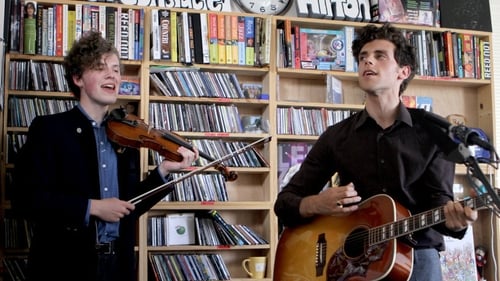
402, 116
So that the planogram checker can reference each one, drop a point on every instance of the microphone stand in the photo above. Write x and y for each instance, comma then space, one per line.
475, 172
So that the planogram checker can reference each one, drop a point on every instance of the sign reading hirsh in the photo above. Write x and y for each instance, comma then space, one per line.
211, 5
349, 10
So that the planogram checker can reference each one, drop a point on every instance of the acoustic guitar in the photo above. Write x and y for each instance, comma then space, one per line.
361, 246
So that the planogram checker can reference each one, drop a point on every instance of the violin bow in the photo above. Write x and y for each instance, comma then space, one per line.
153, 191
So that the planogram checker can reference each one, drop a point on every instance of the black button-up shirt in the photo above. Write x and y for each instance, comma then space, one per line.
402, 161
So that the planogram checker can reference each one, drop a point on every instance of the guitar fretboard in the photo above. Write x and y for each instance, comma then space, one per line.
419, 221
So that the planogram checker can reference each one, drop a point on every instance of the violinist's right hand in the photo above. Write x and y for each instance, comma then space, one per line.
110, 209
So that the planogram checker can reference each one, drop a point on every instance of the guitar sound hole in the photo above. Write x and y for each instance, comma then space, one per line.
354, 245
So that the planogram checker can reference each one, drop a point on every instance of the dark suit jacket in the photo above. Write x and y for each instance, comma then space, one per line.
55, 176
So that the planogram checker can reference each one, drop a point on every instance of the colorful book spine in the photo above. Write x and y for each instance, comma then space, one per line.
250, 40
467, 55
227, 39
59, 30
221, 38
212, 35
71, 29
174, 56
234, 39
485, 59
50, 32
164, 34
79, 21
241, 41
141, 34
448, 53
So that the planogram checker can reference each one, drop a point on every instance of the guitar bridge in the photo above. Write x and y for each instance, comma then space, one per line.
320, 254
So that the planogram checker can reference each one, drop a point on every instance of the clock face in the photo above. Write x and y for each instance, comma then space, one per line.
266, 7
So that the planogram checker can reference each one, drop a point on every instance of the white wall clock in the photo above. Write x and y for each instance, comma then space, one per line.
266, 7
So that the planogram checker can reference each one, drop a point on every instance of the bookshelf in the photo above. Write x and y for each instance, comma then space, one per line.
251, 196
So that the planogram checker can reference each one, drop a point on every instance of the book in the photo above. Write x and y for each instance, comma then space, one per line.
241, 41
391, 11
322, 49
174, 55
195, 32
204, 38
296, 46
467, 55
213, 40
155, 35
221, 38
258, 22
180, 229
250, 40
485, 59
130, 86
164, 22
418, 12
228, 39
334, 92
350, 62
226, 228
234, 39
124, 35
409, 101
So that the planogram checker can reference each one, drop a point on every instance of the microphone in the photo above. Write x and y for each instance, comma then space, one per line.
459, 133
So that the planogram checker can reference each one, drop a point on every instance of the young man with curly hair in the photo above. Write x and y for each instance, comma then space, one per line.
74, 184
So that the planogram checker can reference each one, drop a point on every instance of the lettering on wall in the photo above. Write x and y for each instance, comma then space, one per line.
349, 10
211, 5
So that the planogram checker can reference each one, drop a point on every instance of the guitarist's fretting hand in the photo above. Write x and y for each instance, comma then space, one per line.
457, 216
332, 201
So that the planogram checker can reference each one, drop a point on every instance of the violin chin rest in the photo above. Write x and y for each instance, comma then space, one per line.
118, 114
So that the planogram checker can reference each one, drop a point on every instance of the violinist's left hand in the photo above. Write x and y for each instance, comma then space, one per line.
188, 157
458, 217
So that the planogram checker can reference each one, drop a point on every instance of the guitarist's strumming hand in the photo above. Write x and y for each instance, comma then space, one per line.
339, 200
458, 217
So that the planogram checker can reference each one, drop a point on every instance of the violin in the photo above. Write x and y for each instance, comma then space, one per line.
130, 131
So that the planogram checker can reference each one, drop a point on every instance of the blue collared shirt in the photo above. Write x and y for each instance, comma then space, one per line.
108, 178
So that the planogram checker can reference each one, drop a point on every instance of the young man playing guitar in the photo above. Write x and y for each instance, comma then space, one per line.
383, 151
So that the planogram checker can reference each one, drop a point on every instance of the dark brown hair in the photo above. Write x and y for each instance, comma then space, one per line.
86, 54
404, 53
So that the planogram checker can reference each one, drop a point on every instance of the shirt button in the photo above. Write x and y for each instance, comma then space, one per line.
382, 161
105, 189
104, 165
384, 190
